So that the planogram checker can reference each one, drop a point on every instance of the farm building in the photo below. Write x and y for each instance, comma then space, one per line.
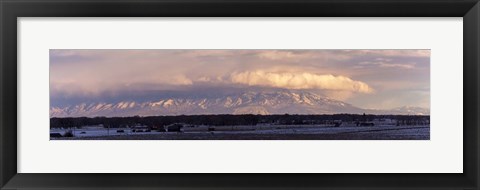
140, 128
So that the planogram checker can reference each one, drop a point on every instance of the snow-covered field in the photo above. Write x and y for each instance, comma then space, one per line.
258, 132
99, 132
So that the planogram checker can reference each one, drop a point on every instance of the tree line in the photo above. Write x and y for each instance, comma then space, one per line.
223, 120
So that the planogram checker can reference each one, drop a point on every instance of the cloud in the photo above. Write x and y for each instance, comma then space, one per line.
329, 56
339, 94
300, 80
297, 55
181, 80
279, 55
104, 73
211, 53
97, 87
387, 63
392, 53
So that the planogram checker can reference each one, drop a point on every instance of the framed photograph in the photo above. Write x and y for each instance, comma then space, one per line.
244, 94
239, 94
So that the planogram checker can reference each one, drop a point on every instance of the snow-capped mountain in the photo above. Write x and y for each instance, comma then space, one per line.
410, 110
250, 102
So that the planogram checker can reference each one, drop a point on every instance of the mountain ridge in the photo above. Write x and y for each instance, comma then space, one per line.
249, 102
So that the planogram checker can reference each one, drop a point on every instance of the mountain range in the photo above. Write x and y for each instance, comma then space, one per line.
248, 102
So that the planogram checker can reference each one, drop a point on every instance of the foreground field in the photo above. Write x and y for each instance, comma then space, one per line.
308, 132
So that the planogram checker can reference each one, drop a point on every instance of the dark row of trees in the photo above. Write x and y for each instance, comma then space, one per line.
222, 120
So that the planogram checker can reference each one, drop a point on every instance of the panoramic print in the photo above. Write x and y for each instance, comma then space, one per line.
239, 94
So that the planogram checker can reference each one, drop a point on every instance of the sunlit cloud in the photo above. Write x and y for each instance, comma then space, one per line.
303, 80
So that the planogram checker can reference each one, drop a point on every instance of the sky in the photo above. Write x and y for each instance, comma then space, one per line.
374, 79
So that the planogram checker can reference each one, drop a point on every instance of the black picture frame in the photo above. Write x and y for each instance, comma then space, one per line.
10, 10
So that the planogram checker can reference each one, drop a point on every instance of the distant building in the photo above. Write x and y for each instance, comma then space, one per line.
175, 127
55, 135
385, 121
92, 127
365, 124
139, 128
